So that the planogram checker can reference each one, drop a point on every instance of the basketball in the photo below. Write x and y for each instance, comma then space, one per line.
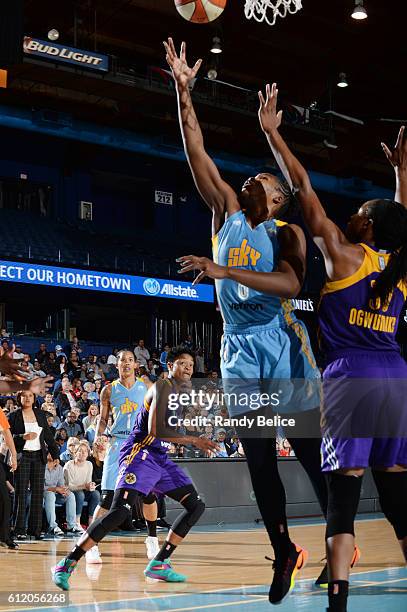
200, 11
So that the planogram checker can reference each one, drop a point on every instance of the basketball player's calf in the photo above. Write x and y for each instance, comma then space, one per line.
150, 514
344, 493
123, 501
391, 484
160, 567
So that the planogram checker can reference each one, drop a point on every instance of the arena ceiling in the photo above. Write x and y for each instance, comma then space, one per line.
304, 53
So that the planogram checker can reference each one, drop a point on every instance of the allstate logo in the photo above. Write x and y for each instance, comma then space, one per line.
151, 286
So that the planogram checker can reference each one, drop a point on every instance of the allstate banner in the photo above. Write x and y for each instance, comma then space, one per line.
68, 55
72, 278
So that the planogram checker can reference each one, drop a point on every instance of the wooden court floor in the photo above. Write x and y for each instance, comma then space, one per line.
226, 570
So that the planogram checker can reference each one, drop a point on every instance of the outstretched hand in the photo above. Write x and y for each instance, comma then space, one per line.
398, 156
182, 73
38, 385
8, 365
269, 118
206, 266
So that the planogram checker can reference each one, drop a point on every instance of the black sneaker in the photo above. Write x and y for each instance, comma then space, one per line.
322, 580
285, 572
162, 523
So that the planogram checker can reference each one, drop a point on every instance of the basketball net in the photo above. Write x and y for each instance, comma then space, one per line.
269, 10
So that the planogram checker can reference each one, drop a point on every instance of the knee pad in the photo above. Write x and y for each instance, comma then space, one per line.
343, 501
194, 508
392, 489
118, 513
149, 499
106, 499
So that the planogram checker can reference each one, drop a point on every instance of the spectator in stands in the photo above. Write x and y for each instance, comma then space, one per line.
42, 354
37, 369
93, 367
90, 387
65, 400
71, 447
26, 371
18, 354
199, 364
32, 436
225, 447
78, 478
155, 359
49, 406
74, 346
84, 403
27, 359
215, 380
71, 425
208, 432
98, 386
5, 345
61, 438
4, 334
240, 451
141, 353
83, 377
188, 343
112, 359
50, 421
104, 366
152, 370
50, 366
74, 365
59, 352
163, 357
62, 362
90, 422
55, 491
76, 388
97, 458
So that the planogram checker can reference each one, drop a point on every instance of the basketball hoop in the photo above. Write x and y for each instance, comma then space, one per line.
269, 10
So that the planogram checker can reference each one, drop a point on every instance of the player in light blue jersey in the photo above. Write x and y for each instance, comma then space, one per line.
122, 400
259, 265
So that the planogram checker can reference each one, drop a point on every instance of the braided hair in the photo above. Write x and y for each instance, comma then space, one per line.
390, 233
290, 206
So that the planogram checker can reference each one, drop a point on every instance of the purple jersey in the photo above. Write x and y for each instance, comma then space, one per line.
350, 319
140, 439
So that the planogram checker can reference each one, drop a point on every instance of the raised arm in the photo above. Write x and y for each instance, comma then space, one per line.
398, 159
285, 282
326, 234
217, 194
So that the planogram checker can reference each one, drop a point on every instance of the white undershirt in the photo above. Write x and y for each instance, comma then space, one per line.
32, 445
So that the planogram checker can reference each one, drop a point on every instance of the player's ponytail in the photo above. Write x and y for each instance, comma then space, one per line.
390, 233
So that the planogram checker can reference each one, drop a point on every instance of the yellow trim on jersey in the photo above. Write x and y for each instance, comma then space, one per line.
370, 264
215, 247
280, 223
137, 447
288, 308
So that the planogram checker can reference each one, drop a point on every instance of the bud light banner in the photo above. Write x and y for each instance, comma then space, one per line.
68, 55
72, 278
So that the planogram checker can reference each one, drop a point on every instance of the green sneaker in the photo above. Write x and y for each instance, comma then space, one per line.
62, 572
162, 570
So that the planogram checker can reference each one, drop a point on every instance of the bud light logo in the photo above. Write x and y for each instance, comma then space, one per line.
151, 286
